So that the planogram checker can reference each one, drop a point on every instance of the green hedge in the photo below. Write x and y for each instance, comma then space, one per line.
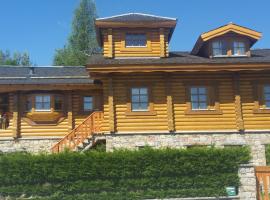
267, 154
122, 174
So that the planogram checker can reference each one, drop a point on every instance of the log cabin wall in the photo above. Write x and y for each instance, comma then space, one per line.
72, 116
114, 43
166, 117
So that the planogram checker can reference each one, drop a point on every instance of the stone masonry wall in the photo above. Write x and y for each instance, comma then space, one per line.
33, 145
256, 141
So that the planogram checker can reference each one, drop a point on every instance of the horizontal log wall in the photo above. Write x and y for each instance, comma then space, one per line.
228, 101
60, 129
113, 43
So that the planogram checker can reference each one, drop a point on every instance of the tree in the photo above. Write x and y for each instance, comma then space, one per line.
17, 59
82, 41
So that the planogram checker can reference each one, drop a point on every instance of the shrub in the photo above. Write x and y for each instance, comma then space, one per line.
122, 174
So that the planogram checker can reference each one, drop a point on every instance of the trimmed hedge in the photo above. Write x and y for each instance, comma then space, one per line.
267, 154
123, 174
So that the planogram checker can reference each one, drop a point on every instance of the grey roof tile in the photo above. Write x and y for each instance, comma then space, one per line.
257, 56
44, 75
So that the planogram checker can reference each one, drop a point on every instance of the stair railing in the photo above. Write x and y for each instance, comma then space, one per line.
90, 126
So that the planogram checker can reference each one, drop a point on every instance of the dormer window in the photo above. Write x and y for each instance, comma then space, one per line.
136, 40
239, 48
219, 48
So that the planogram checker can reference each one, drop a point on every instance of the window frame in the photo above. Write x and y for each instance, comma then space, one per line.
35, 102
140, 102
233, 48
213, 105
147, 48
258, 95
150, 111
198, 94
134, 46
83, 104
225, 48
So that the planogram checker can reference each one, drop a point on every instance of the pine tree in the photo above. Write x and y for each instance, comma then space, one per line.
82, 41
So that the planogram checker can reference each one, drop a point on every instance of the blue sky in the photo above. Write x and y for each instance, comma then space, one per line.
40, 27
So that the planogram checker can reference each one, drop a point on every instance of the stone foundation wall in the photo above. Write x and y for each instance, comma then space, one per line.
32, 145
256, 141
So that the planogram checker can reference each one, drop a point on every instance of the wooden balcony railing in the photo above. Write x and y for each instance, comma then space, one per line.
263, 182
90, 126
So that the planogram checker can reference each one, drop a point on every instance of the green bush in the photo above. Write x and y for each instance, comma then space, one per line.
123, 174
267, 154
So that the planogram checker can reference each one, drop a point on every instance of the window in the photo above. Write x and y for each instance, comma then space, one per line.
219, 48
58, 102
87, 103
239, 48
43, 102
139, 99
266, 96
198, 98
135, 40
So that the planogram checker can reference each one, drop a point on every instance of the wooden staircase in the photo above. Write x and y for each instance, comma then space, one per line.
81, 134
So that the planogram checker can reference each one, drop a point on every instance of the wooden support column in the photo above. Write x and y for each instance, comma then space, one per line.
16, 120
170, 112
110, 41
70, 111
162, 43
111, 106
238, 103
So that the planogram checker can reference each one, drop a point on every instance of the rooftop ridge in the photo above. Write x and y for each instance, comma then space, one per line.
143, 14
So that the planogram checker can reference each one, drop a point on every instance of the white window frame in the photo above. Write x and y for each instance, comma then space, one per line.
222, 46
198, 94
42, 102
237, 45
135, 34
139, 102
91, 102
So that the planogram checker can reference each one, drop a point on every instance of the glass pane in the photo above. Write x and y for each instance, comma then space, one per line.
194, 106
46, 106
267, 104
135, 98
38, 98
143, 91
133, 40
87, 99
216, 45
135, 106
144, 98
202, 90
144, 106
135, 91
194, 98
46, 98
87, 106
38, 106
266, 89
193, 90
267, 97
216, 52
203, 105
202, 98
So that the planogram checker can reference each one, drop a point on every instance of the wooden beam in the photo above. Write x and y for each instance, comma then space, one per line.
70, 111
111, 106
16, 115
162, 43
170, 113
110, 41
238, 103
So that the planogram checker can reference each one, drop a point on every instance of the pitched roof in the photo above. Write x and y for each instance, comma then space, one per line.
231, 27
182, 58
44, 75
135, 17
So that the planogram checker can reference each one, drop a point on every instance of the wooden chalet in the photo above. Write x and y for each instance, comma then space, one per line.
138, 93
